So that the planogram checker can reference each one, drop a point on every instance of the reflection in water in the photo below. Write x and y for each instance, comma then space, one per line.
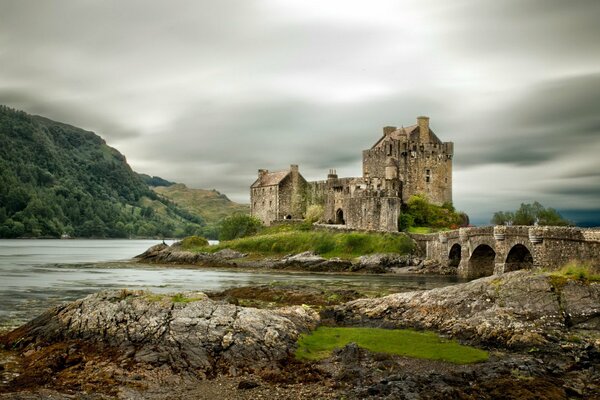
37, 274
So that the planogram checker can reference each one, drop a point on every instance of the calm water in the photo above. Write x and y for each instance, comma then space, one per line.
37, 274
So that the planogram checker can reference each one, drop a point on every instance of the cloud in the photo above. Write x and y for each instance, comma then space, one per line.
206, 93
550, 119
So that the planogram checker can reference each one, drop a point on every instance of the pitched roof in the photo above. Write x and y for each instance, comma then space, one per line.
404, 131
271, 178
409, 132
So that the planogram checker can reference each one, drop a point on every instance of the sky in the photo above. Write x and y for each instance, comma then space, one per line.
207, 92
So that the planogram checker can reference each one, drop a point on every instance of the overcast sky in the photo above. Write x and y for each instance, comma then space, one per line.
207, 92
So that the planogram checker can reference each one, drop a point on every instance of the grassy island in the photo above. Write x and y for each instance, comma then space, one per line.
297, 238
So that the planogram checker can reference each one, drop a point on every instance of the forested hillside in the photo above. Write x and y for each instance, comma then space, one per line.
210, 205
57, 179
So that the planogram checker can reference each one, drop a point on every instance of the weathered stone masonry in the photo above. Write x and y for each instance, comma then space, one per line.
403, 162
491, 250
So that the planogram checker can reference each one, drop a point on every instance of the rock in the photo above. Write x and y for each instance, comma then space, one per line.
228, 254
245, 385
152, 252
515, 309
306, 258
192, 333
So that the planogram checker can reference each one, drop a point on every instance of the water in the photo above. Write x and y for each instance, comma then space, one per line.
37, 274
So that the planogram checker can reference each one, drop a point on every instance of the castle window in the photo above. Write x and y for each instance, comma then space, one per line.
270, 203
389, 153
427, 175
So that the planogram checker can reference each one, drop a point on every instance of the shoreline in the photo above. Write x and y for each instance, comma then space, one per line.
533, 347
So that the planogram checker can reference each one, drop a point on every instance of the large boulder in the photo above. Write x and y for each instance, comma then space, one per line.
518, 308
187, 332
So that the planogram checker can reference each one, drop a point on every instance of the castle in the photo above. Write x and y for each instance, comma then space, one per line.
403, 162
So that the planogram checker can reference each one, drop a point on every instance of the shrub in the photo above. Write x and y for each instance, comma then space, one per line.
238, 226
314, 214
419, 212
194, 241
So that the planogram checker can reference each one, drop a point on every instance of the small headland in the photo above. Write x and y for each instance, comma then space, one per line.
301, 247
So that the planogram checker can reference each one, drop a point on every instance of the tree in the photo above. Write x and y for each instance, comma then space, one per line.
503, 218
239, 225
530, 214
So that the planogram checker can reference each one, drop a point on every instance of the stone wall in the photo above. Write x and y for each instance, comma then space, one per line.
264, 203
514, 247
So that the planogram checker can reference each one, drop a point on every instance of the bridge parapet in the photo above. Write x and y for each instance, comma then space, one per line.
542, 247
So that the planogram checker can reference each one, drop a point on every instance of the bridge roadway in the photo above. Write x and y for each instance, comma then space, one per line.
483, 251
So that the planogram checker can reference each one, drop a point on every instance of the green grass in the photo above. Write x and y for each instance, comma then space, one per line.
290, 240
578, 271
425, 229
404, 342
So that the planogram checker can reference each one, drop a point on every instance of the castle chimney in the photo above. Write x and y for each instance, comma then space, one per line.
388, 129
294, 168
262, 172
423, 123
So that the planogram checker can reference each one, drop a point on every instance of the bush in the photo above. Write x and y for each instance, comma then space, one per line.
238, 226
314, 214
419, 212
194, 241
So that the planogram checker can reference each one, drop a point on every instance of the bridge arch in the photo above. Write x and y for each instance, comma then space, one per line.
454, 255
519, 257
481, 262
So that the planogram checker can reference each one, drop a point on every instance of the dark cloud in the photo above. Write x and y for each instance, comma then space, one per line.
549, 120
206, 93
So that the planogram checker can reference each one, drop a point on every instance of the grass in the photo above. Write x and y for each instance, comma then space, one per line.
288, 239
425, 229
578, 271
176, 298
404, 342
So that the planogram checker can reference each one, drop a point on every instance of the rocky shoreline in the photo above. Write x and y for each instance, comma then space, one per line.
542, 332
307, 261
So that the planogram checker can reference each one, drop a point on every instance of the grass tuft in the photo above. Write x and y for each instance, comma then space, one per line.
404, 342
578, 271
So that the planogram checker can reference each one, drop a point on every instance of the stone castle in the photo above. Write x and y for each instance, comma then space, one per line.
403, 162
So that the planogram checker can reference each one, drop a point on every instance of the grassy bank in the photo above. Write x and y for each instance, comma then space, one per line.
578, 271
284, 240
404, 342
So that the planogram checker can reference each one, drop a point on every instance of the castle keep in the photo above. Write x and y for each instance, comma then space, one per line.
403, 162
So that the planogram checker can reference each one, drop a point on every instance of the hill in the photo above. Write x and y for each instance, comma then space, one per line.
210, 205
57, 179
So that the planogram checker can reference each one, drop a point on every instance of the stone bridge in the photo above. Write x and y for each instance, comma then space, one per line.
483, 251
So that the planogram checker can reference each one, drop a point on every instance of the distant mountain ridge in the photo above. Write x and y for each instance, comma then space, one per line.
57, 179
211, 205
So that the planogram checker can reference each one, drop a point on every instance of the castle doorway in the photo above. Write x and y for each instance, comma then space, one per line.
339, 217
